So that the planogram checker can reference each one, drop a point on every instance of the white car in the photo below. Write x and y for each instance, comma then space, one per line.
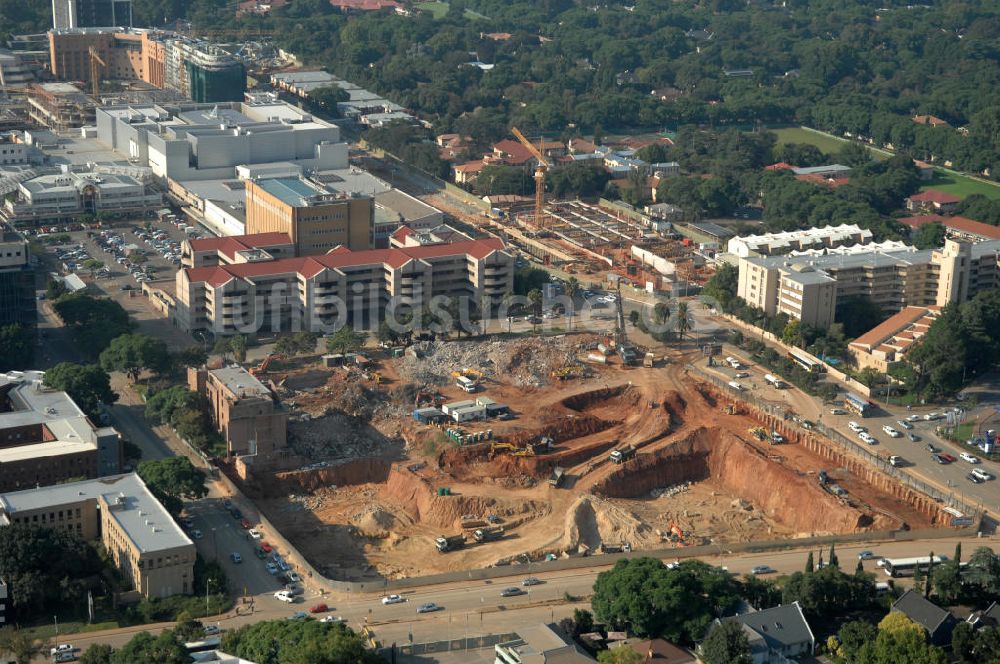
284, 596
969, 457
392, 599
254, 533
912, 418
332, 619
930, 417
294, 578
855, 427
982, 474
892, 432
736, 386
867, 437
62, 647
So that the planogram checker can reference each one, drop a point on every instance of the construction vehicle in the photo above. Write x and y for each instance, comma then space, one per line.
95, 73
488, 534
446, 543
649, 360
616, 548
543, 166
472, 374
823, 477
622, 454
470, 521
262, 367
557, 476
760, 433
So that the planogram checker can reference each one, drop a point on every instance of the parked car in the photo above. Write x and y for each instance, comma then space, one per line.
236, 557
975, 479
298, 615
196, 534
319, 608
284, 596
332, 619
244, 523
254, 534
271, 568
62, 647
932, 448
904, 424
914, 437
970, 458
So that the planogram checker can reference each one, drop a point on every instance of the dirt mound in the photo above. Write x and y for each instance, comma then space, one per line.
374, 521
591, 522
787, 496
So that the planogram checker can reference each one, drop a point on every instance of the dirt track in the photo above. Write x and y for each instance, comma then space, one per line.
699, 477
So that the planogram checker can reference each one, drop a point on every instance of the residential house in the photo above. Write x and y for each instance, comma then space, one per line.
660, 652
990, 617
667, 94
468, 172
930, 121
938, 622
776, 634
932, 200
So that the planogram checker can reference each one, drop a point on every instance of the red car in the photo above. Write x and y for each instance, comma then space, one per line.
245, 523
949, 458
319, 608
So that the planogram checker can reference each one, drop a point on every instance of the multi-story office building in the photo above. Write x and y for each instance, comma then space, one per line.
315, 219
59, 106
66, 196
197, 69
258, 293
206, 252
809, 289
45, 438
247, 414
17, 281
149, 549
90, 13
209, 141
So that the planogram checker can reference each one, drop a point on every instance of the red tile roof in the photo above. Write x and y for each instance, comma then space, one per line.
780, 166
402, 232
973, 227
470, 167
512, 152
935, 196
229, 245
341, 257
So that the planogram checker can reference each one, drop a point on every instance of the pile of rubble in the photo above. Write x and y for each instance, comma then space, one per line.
336, 435
525, 362
670, 491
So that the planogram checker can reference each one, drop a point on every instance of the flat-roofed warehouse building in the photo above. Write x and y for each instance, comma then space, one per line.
45, 438
147, 546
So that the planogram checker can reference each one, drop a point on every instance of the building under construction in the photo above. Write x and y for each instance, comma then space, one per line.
59, 106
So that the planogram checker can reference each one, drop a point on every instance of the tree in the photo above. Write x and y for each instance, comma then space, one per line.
98, 653
834, 562
137, 258
20, 644
982, 575
192, 356
722, 287
161, 406
853, 635
345, 340
92, 265
327, 98
535, 298
792, 334
306, 641
17, 347
133, 353
165, 648
87, 384
899, 640
633, 317
828, 591
810, 566
45, 568
648, 599
173, 479
929, 236
238, 346
761, 594
528, 279
858, 314
55, 289
94, 322
299, 343
726, 643
222, 347
661, 313
684, 320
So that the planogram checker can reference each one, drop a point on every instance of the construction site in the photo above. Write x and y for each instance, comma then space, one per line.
453, 455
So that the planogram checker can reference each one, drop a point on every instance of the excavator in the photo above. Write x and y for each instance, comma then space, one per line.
473, 374
262, 367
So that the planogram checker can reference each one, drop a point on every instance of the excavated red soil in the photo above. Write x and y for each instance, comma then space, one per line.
786, 495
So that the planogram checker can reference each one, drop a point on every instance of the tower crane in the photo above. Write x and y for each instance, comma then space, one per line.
543, 166
95, 73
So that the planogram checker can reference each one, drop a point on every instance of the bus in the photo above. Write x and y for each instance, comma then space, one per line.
857, 404
897, 567
812, 366
774, 380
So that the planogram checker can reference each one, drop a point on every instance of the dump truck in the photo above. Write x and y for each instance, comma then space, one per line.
447, 543
488, 534
613, 548
622, 454
556, 478
649, 360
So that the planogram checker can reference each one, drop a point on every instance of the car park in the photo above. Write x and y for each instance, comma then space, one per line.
392, 599
429, 607
970, 458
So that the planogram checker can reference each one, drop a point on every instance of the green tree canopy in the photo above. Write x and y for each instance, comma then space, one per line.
131, 354
726, 643
94, 322
87, 384
299, 641
345, 340
17, 347
173, 479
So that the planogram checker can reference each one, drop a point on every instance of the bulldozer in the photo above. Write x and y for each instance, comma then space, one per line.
760, 433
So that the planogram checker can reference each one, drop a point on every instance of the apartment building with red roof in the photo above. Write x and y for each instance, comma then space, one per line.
256, 291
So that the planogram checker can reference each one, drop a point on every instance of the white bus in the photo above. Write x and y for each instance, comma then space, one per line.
896, 567
774, 380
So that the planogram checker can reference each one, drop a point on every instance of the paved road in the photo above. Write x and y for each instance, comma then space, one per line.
475, 608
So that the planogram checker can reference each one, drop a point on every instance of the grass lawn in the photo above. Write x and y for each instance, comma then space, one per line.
825, 142
963, 186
